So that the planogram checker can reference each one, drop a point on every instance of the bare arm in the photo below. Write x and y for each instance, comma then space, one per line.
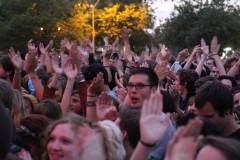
191, 57
205, 50
18, 66
71, 72
93, 91
234, 70
214, 50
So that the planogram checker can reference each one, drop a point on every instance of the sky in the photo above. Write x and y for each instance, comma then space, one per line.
163, 8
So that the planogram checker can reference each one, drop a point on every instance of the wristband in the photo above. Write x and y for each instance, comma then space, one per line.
91, 104
147, 144
91, 96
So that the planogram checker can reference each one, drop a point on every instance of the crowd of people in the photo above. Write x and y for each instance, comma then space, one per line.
72, 103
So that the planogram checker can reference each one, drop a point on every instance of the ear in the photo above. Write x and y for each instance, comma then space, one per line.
154, 89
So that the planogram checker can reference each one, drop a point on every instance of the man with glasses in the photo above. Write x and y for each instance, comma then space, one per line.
142, 82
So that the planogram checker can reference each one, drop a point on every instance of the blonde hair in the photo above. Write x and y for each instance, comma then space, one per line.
112, 140
111, 136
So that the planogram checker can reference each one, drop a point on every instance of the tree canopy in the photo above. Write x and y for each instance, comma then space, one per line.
193, 20
55, 19
21, 20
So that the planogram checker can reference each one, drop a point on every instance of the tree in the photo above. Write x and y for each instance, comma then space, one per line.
195, 19
26, 19
109, 21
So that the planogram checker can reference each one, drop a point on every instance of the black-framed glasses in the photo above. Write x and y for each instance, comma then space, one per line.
138, 86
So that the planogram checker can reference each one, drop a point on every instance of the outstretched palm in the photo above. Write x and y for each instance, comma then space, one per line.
152, 127
15, 59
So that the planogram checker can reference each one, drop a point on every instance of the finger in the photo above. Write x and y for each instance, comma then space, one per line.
155, 103
159, 103
151, 103
145, 109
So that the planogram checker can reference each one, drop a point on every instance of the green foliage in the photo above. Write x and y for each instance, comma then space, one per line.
42, 20
195, 19
21, 20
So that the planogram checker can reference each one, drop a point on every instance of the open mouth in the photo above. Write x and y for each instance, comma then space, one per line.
134, 100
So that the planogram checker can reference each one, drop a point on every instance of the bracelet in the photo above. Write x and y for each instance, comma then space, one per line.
147, 144
91, 95
91, 104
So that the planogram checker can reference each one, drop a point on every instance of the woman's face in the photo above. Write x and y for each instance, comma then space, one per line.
63, 143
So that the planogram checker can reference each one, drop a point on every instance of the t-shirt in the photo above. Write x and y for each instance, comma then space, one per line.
235, 135
158, 152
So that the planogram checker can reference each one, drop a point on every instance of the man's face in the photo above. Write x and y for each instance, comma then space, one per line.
138, 89
210, 64
214, 72
179, 87
212, 115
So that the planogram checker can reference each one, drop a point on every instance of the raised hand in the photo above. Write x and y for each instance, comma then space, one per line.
196, 50
161, 69
188, 137
56, 65
105, 108
15, 59
42, 49
204, 47
65, 44
182, 55
30, 62
152, 126
70, 69
118, 81
83, 55
214, 45
31, 47
97, 86
121, 94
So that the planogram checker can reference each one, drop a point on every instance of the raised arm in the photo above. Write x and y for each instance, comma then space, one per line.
18, 67
183, 144
205, 50
70, 70
214, 54
93, 91
234, 70
152, 127
191, 57
45, 55
30, 66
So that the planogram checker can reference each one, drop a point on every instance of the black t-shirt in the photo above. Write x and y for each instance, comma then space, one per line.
235, 135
